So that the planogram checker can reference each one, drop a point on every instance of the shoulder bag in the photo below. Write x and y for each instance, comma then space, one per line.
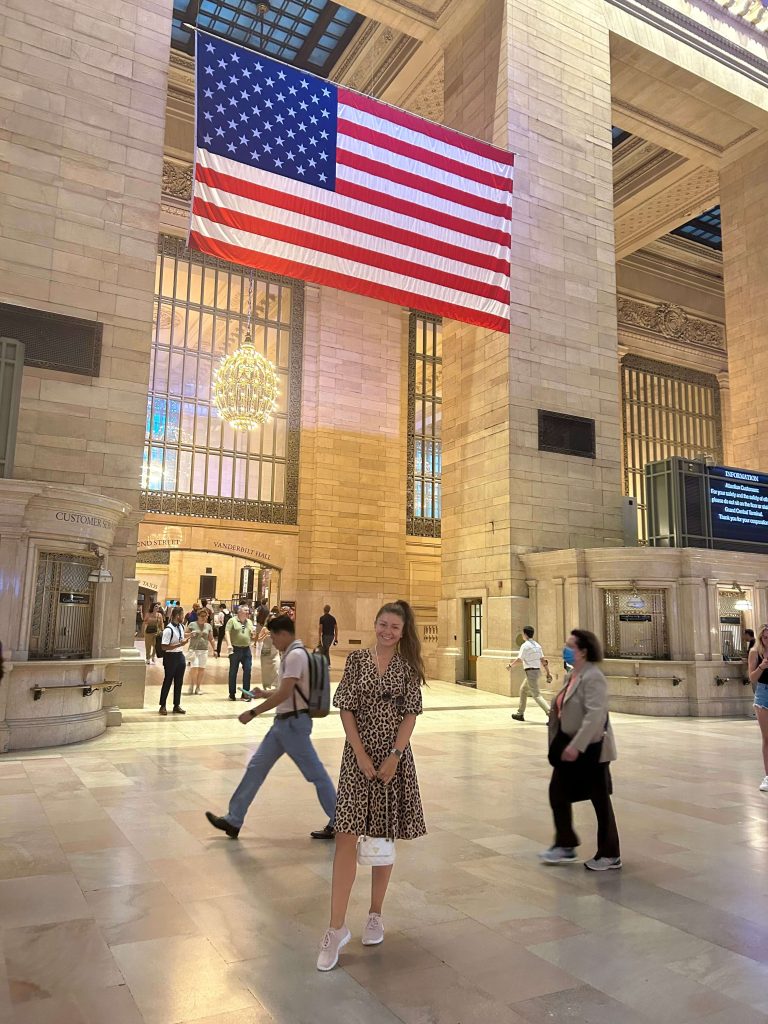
376, 851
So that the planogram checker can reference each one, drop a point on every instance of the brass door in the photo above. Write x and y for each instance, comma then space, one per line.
473, 637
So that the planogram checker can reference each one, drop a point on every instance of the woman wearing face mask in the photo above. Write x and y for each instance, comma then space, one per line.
758, 676
379, 697
581, 747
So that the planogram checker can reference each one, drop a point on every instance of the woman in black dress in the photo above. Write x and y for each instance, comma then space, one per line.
379, 697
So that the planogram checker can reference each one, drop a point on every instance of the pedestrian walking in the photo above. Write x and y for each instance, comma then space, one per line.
532, 658
174, 662
154, 624
379, 697
269, 656
240, 634
200, 635
327, 632
581, 747
290, 734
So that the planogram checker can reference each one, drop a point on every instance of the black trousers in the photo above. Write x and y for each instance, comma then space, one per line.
326, 643
220, 638
174, 665
562, 812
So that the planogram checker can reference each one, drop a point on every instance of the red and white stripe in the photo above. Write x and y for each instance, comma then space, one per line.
421, 216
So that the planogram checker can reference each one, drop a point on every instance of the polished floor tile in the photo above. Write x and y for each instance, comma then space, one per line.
119, 904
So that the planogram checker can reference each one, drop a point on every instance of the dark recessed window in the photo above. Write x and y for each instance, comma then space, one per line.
53, 341
566, 435
618, 135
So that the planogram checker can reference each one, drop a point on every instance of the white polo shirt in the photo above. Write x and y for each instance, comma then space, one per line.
294, 664
531, 654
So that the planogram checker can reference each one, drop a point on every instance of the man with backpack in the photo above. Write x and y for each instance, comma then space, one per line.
303, 693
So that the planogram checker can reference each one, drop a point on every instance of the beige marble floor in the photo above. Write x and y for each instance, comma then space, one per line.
119, 904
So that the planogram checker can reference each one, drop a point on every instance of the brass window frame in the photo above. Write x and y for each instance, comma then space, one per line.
255, 466
666, 410
424, 447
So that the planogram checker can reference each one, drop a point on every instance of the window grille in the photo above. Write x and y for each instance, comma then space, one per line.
11, 370
194, 463
53, 341
62, 616
632, 631
667, 410
732, 643
425, 414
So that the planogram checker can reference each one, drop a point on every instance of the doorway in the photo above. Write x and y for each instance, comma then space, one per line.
473, 637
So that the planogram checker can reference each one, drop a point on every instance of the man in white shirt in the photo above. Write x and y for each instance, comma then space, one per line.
531, 655
290, 734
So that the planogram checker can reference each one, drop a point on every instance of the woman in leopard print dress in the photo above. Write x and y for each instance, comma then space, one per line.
379, 697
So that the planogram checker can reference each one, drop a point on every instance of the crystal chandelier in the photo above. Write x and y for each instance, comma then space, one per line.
246, 385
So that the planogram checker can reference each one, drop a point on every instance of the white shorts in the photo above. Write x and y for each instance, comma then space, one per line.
197, 659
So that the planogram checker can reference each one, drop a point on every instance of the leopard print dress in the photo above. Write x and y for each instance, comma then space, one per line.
379, 705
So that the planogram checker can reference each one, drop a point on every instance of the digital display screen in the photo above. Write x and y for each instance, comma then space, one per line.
739, 504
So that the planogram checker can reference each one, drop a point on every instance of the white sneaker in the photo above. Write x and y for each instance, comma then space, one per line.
603, 864
334, 940
558, 855
373, 933
149, 662
764, 785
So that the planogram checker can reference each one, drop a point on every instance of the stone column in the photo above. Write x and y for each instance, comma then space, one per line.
744, 204
517, 78
352, 490
724, 380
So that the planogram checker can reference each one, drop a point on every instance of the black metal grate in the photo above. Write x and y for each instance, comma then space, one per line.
54, 341
566, 435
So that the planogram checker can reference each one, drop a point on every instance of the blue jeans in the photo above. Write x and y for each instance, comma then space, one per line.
240, 656
291, 736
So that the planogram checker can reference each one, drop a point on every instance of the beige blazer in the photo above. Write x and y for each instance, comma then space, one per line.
584, 712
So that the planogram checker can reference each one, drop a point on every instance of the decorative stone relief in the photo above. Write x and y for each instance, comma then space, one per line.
177, 180
670, 322
429, 101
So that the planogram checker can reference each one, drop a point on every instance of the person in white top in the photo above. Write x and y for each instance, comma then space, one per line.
174, 662
532, 658
290, 734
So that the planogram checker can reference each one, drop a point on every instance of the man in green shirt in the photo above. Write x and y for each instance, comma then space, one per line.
240, 634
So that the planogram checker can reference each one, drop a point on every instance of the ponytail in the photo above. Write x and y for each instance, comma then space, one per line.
410, 645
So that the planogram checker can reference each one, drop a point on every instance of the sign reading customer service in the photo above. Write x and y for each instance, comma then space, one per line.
738, 500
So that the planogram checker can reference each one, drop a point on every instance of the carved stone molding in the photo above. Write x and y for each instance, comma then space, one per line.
177, 180
377, 55
671, 322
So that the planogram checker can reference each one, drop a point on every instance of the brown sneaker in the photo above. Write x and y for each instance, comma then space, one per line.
163, 711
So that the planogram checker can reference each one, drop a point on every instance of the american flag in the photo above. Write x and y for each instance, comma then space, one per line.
300, 177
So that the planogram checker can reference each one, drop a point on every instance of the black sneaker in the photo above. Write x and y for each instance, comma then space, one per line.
519, 718
223, 824
178, 710
232, 696
245, 697
324, 833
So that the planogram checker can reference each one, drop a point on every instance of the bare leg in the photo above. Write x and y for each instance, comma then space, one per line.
344, 870
762, 721
379, 881
199, 680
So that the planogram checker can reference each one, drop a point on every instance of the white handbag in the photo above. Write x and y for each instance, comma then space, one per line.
377, 851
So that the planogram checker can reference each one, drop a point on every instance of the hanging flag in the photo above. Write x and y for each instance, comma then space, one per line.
300, 177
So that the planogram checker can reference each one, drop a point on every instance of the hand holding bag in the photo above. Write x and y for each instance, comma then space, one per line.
376, 851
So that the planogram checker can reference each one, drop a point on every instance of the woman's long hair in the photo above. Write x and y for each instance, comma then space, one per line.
759, 645
409, 647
